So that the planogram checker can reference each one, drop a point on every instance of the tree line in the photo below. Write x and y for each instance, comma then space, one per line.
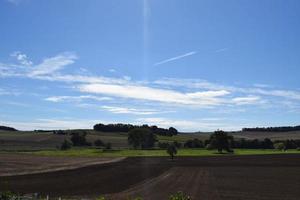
128, 127
7, 128
273, 129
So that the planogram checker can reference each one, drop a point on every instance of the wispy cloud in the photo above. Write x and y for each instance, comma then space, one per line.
206, 98
53, 64
221, 50
15, 2
22, 58
175, 58
124, 110
76, 98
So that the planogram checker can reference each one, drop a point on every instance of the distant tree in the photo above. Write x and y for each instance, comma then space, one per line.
141, 138
267, 144
172, 150
279, 146
220, 140
172, 131
108, 146
7, 128
194, 143
79, 139
98, 143
66, 145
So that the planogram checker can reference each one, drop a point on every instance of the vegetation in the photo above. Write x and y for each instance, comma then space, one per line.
280, 146
220, 140
6, 128
128, 127
194, 143
91, 152
66, 145
141, 138
273, 129
172, 150
180, 196
98, 143
79, 139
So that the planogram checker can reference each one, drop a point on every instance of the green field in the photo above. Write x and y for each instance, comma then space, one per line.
134, 153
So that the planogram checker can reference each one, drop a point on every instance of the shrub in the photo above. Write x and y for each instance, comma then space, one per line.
66, 145
172, 150
141, 137
279, 146
79, 139
108, 145
179, 196
98, 143
298, 148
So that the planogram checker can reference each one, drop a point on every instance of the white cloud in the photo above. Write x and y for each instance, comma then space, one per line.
124, 110
53, 64
206, 98
246, 100
190, 125
51, 124
22, 58
175, 58
76, 98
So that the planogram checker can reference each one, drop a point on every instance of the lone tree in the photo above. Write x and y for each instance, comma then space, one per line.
220, 140
66, 145
172, 150
141, 138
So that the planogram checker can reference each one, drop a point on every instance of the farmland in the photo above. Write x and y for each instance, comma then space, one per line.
221, 177
31, 162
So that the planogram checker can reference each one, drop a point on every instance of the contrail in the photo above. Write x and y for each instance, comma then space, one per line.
175, 58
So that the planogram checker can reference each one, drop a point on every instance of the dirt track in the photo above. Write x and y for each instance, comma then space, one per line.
228, 177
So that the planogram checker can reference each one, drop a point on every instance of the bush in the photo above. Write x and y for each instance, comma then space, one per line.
141, 137
66, 145
98, 143
172, 150
108, 145
298, 148
195, 143
79, 139
279, 146
179, 196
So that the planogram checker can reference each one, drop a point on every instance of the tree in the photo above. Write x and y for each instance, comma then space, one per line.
141, 138
66, 145
98, 143
220, 140
172, 150
279, 146
78, 139
172, 131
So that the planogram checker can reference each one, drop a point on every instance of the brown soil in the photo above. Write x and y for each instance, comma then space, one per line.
18, 164
228, 177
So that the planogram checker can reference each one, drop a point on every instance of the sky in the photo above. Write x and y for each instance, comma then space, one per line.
196, 65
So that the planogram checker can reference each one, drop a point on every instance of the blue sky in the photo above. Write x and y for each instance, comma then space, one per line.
195, 65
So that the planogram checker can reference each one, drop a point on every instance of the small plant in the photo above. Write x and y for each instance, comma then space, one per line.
172, 150
9, 196
66, 145
180, 196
